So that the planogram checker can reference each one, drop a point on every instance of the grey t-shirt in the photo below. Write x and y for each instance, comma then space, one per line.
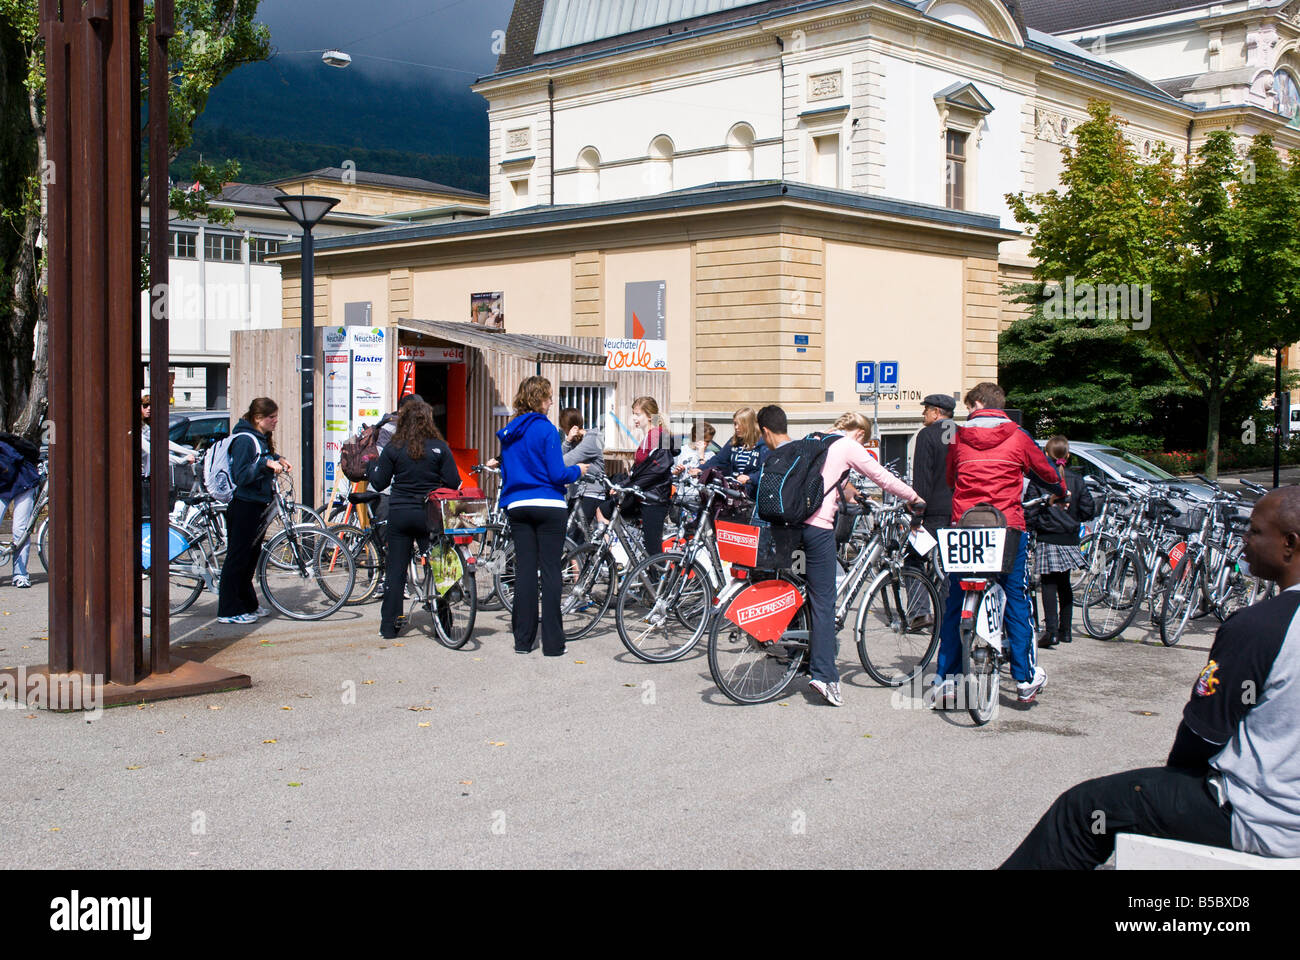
1248, 699
591, 451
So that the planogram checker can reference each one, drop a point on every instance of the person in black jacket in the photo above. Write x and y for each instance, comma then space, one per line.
930, 460
253, 465
1058, 553
416, 461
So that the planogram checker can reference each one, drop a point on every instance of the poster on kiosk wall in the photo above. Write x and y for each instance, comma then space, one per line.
369, 375
337, 370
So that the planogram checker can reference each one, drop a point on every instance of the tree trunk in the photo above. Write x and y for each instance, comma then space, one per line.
1212, 433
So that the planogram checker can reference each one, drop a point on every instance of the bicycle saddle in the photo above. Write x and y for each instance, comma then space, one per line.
365, 498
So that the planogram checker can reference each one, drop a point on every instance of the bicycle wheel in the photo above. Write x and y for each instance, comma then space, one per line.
588, 584
1077, 576
663, 606
1111, 598
747, 671
185, 582
318, 579
983, 684
503, 578
898, 627
365, 555
1181, 596
302, 516
42, 543
449, 593
485, 551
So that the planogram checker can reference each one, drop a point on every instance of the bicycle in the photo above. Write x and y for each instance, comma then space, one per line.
305, 571
37, 527
676, 588
442, 580
759, 633
981, 555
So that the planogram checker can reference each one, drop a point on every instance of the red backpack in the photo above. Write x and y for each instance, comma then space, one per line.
359, 452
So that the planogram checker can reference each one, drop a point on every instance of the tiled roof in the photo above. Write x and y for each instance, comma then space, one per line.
1057, 16
379, 180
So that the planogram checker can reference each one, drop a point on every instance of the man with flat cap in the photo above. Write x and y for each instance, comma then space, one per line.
930, 459
1232, 778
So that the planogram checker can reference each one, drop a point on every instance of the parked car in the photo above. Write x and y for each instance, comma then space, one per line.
1098, 459
199, 429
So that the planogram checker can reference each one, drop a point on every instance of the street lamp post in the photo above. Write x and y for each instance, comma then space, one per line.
307, 212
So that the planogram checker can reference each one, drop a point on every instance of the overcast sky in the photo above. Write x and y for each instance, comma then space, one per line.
454, 34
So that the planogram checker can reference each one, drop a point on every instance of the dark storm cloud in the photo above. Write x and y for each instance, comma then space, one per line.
453, 34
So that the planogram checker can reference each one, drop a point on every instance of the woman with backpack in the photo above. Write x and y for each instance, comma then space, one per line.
416, 461
652, 466
253, 466
1058, 553
534, 480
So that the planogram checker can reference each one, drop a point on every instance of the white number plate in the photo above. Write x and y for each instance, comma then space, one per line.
972, 549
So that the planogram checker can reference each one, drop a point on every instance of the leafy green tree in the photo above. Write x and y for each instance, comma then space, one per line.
1211, 256
1230, 291
213, 37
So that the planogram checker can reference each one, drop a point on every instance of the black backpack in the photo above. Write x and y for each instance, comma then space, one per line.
790, 488
654, 474
24, 447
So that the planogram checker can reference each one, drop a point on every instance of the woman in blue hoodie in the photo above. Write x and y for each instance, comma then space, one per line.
533, 483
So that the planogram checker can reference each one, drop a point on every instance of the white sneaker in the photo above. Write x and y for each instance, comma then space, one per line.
830, 691
1028, 691
941, 694
261, 612
240, 618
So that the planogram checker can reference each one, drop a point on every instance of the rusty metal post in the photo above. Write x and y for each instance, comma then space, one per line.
160, 32
94, 140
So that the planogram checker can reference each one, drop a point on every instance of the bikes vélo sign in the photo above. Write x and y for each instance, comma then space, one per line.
972, 549
765, 609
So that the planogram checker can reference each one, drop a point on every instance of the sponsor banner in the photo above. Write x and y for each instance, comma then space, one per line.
764, 610
337, 371
972, 549
737, 542
632, 354
1176, 552
432, 354
369, 375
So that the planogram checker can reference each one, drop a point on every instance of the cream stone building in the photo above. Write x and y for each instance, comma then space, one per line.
813, 183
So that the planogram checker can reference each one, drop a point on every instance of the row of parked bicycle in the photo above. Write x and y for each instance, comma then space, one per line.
1146, 547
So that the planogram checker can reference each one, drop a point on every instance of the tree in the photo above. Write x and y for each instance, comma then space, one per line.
1231, 290
1153, 283
1071, 365
213, 37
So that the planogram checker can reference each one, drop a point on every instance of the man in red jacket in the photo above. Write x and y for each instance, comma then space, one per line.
987, 460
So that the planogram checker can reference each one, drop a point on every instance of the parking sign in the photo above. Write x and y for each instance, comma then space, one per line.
866, 376
888, 376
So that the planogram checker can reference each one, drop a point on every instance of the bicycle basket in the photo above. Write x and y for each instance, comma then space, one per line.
461, 512
1187, 519
744, 543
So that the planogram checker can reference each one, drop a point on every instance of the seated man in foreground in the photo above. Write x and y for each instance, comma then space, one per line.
1233, 776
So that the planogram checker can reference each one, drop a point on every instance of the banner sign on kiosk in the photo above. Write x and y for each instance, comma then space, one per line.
369, 375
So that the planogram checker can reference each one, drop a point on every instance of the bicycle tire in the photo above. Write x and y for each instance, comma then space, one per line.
589, 585
1180, 598
302, 516
320, 587
1111, 598
42, 542
779, 660
1077, 576
646, 608
983, 685
453, 612
183, 588
900, 650
366, 557
503, 580
482, 549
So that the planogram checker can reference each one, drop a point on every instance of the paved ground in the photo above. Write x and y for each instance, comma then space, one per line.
483, 758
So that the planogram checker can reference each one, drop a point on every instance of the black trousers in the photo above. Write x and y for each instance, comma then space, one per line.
539, 546
1058, 603
1078, 830
246, 523
653, 516
405, 527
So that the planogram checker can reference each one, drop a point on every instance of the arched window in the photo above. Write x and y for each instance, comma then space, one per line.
589, 175
660, 171
740, 152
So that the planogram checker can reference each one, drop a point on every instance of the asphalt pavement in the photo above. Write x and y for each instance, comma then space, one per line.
353, 751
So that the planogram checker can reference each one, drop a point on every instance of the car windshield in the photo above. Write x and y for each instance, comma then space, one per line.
1123, 462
